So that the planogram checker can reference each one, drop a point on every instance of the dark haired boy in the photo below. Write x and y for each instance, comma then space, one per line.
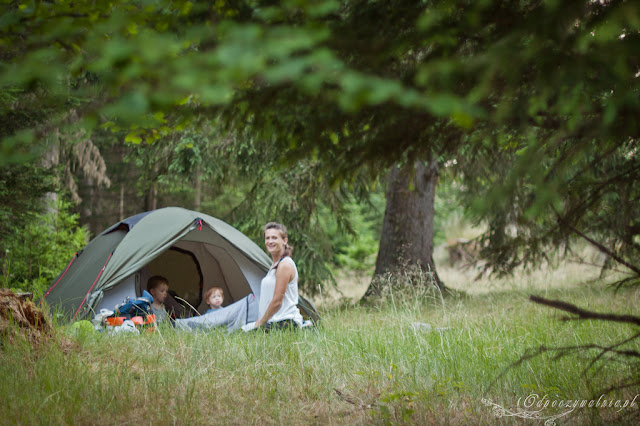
158, 287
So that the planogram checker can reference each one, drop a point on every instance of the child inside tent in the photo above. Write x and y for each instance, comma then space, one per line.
214, 298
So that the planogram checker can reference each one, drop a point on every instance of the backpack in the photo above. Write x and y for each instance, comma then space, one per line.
140, 306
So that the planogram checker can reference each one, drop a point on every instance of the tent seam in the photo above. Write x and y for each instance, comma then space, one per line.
92, 285
56, 283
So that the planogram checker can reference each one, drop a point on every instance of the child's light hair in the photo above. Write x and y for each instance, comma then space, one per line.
209, 292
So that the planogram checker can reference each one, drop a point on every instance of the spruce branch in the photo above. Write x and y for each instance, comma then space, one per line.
583, 313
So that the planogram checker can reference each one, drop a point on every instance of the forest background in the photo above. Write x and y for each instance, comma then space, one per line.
310, 112
368, 128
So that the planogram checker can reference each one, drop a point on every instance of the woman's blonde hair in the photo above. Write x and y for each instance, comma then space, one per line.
288, 250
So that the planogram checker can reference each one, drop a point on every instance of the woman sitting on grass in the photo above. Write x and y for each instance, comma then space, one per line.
279, 288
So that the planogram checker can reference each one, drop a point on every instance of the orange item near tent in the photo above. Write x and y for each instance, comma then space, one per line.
115, 320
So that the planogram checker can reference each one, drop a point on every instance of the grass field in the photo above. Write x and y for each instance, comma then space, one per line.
362, 365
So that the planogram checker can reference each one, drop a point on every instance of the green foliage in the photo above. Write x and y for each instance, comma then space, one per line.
130, 61
552, 150
357, 251
395, 407
21, 190
18, 114
551, 193
40, 248
293, 197
526, 95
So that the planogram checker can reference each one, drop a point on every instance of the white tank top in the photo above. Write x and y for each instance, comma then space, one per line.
289, 308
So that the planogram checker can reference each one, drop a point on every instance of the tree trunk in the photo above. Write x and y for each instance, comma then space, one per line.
121, 214
151, 201
407, 229
198, 190
52, 159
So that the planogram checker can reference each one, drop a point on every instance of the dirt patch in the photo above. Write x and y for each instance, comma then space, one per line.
21, 319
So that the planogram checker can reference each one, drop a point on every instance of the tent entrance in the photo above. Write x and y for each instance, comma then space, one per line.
182, 269
192, 267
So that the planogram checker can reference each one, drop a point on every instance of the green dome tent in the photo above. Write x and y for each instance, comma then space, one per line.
192, 250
